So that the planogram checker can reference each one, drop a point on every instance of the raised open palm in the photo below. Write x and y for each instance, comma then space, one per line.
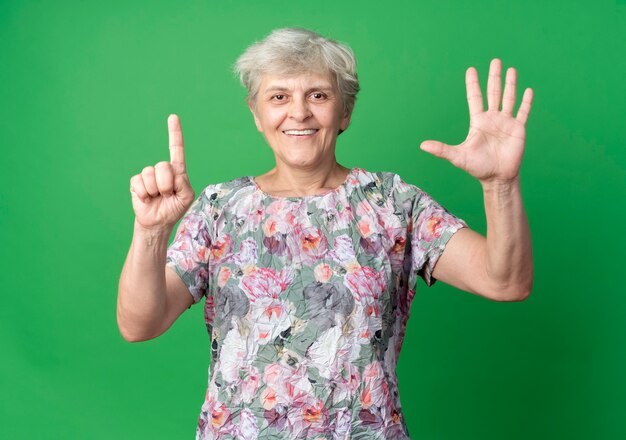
162, 194
494, 146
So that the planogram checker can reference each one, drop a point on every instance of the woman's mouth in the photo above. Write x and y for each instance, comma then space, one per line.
307, 132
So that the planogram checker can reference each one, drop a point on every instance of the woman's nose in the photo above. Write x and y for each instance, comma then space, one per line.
299, 109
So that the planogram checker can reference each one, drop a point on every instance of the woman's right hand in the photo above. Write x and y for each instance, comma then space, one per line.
162, 194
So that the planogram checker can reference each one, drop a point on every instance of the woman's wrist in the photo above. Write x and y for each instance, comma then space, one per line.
152, 235
500, 186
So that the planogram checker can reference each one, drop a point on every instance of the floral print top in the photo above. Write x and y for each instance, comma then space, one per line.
307, 300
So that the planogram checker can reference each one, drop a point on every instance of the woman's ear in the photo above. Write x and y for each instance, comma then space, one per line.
345, 121
251, 106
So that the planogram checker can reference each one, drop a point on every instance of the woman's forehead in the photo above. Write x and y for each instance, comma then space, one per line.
308, 80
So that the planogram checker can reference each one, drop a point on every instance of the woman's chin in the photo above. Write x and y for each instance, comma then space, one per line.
302, 162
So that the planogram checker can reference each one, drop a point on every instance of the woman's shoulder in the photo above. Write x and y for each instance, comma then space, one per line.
389, 184
218, 194
229, 185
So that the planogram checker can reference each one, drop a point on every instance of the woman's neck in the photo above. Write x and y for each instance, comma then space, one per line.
286, 181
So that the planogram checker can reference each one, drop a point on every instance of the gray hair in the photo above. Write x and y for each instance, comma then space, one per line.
293, 51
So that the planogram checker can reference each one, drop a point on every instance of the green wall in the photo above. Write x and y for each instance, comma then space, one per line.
85, 90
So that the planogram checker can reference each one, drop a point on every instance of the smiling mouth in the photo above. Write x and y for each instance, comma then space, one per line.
306, 132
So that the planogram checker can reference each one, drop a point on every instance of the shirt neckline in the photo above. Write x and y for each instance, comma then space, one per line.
311, 196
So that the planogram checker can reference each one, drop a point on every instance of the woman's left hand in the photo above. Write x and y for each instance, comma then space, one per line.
493, 149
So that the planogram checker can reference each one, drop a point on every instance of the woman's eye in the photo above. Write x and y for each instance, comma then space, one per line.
279, 97
318, 96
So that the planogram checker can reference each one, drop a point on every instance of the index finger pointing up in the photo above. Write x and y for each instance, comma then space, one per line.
177, 150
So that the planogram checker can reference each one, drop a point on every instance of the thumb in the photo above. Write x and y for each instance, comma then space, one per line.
182, 186
439, 149
183, 190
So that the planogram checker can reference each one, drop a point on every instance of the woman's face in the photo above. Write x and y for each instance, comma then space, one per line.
300, 117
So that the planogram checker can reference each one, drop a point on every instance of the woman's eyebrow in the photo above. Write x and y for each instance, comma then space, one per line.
322, 88
275, 89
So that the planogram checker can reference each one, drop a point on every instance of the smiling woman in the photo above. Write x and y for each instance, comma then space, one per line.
301, 90
309, 270
300, 118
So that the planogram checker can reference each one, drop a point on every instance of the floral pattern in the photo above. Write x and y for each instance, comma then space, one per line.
307, 301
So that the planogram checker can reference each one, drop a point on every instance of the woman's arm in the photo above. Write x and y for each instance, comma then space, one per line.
151, 297
500, 266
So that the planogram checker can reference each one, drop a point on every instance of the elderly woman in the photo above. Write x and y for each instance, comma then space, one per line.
308, 271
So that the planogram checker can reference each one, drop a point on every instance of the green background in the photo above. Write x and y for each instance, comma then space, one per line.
85, 90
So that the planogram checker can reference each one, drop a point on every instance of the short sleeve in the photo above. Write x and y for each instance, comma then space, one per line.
188, 254
429, 227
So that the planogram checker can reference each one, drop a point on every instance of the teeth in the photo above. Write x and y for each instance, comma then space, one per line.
300, 132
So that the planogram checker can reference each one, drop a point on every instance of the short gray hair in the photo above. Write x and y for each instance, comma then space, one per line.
293, 51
